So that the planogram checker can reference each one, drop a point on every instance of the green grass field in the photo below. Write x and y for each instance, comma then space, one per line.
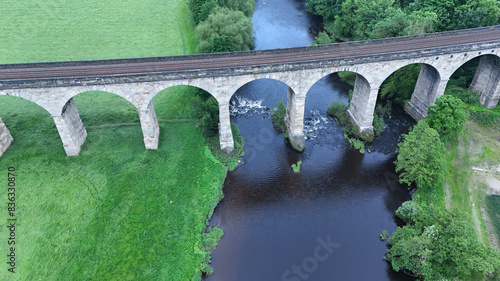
117, 211
106, 215
50, 30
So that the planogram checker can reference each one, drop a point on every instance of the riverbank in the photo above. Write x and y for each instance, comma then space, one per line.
117, 211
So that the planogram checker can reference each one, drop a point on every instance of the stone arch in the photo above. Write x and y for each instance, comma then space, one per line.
295, 102
428, 88
246, 82
30, 98
164, 92
160, 87
36, 96
429, 85
5, 135
486, 78
325, 79
102, 98
458, 60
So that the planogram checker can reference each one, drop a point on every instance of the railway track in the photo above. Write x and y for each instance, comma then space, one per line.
246, 59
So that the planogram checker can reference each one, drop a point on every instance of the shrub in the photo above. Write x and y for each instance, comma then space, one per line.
347, 76
296, 167
408, 211
447, 117
336, 109
278, 116
465, 95
378, 125
486, 118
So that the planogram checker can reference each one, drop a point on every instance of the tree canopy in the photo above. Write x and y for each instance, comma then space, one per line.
442, 248
447, 116
224, 30
421, 157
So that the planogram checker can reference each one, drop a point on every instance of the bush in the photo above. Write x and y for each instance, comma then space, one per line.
465, 95
296, 167
486, 118
224, 29
357, 144
383, 110
278, 116
348, 77
408, 211
447, 116
336, 109
378, 125
207, 108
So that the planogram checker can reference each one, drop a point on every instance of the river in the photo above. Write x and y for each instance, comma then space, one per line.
324, 222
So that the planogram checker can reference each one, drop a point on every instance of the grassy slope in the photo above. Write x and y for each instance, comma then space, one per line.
116, 212
476, 147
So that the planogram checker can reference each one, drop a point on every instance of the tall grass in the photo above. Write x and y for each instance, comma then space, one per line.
117, 211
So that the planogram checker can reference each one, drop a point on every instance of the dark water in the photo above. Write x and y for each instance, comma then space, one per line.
323, 223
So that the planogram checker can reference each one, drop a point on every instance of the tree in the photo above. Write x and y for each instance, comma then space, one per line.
447, 116
445, 248
421, 157
476, 13
224, 26
328, 9
360, 16
246, 6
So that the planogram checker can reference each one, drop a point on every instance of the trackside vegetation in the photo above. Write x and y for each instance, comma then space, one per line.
117, 211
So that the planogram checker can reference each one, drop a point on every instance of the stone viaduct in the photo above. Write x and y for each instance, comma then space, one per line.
53, 85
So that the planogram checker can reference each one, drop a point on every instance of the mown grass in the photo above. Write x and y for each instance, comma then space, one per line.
117, 211
50, 30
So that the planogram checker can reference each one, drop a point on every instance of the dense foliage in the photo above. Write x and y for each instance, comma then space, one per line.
223, 25
365, 19
399, 86
421, 157
447, 116
441, 246
224, 30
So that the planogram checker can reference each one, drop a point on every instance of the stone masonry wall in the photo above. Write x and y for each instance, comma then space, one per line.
5, 137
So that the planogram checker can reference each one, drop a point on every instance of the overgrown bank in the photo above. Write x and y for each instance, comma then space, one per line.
444, 236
